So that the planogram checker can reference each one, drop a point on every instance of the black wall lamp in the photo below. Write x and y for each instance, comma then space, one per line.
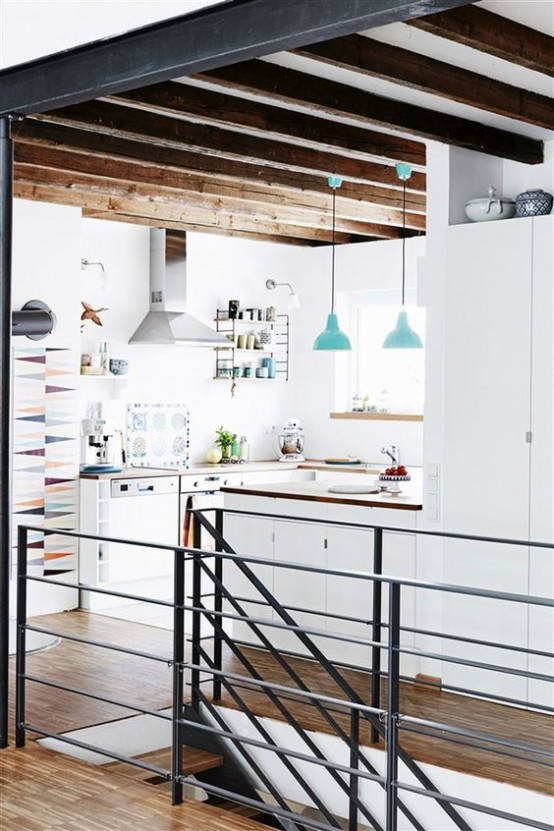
34, 320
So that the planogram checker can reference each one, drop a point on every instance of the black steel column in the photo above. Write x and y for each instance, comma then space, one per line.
21, 636
377, 613
178, 658
393, 704
218, 607
196, 633
354, 764
6, 222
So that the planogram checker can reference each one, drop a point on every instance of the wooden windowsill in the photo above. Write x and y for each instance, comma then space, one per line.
379, 416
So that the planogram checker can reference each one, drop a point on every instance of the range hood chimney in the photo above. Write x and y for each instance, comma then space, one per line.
167, 322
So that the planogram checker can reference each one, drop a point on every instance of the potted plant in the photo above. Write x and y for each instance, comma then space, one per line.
224, 440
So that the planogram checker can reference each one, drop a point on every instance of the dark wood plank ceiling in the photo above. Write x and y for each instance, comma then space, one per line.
246, 149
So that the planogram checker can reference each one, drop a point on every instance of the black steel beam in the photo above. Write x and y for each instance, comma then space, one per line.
6, 205
214, 37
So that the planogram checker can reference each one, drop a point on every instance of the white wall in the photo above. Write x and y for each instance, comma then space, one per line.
220, 268
318, 380
58, 25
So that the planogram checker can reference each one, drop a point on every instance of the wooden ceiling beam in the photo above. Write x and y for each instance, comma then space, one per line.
488, 32
162, 211
128, 122
237, 195
402, 66
309, 92
40, 133
112, 216
224, 110
197, 208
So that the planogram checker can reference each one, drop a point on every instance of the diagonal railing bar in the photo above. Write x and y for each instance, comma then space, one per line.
327, 666
270, 691
237, 698
290, 718
271, 789
295, 754
341, 733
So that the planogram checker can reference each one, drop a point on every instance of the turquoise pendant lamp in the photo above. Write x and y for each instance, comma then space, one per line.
403, 336
332, 338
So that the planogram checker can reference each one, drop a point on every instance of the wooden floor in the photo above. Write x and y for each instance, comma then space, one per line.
45, 791
149, 684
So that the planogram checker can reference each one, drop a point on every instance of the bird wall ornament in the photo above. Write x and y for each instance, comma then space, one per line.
91, 314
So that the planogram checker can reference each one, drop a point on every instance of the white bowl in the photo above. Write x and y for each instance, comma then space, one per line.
487, 209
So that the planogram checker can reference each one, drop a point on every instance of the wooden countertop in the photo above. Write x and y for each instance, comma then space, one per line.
408, 500
363, 467
194, 470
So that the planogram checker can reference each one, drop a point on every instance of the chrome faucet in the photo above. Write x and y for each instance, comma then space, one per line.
393, 452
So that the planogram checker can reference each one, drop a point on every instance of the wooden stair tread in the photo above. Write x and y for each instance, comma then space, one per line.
236, 808
195, 761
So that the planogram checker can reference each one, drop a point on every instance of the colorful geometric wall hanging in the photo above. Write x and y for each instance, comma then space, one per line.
46, 455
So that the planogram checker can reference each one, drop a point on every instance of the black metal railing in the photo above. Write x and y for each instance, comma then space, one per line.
357, 720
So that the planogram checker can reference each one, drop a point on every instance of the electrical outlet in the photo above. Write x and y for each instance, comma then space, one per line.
268, 429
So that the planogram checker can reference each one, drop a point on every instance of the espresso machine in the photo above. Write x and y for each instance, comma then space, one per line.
101, 446
291, 441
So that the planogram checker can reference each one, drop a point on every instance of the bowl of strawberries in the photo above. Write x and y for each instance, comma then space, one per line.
395, 474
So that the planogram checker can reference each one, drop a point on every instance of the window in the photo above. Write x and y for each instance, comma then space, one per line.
386, 379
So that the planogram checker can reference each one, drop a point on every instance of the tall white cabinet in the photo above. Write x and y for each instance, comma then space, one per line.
498, 441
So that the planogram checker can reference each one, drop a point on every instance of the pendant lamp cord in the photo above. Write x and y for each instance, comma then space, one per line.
403, 241
333, 256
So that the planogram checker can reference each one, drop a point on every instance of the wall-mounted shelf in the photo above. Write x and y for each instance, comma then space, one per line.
379, 416
231, 356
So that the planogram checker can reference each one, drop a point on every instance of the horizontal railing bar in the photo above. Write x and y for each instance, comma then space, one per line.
473, 734
405, 650
95, 589
291, 653
429, 633
530, 600
528, 705
463, 743
96, 696
63, 737
352, 705
263, 807
320, 633
406, 629
80, 535
101, 644
451, 659
239, 738
474, 806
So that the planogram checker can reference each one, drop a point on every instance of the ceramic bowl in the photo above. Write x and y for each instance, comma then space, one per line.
119, 366
534, 203
487, 209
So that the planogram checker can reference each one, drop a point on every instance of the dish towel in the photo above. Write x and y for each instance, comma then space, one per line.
197, 502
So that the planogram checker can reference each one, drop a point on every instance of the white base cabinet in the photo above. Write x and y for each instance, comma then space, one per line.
326, 602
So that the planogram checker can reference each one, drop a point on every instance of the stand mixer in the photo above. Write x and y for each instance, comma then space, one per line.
291, 441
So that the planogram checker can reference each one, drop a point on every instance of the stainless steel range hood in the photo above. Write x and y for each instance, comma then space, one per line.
167, 322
